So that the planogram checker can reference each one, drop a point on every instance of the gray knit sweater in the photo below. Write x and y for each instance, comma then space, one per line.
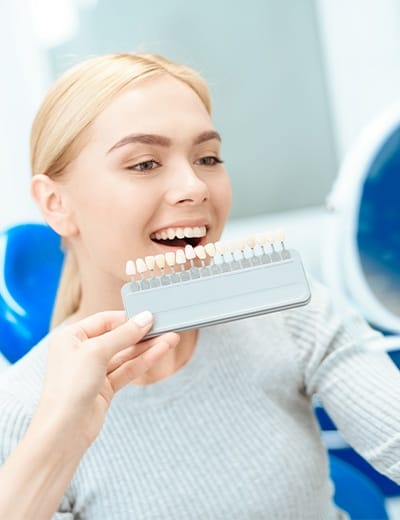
232, 434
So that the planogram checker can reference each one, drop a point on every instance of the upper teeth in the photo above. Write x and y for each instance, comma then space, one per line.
188, 232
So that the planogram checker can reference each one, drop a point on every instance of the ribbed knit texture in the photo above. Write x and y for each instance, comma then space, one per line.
232, 434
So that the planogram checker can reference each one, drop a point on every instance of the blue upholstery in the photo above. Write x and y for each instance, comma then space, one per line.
355, 493
30, 265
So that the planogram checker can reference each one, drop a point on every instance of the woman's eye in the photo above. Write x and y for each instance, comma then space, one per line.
144, 166
210, 160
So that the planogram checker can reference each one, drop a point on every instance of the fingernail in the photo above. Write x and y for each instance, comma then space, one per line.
143, 319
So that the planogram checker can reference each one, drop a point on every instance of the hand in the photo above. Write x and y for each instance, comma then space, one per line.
88, 362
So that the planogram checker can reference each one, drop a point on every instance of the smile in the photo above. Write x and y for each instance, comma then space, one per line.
179, 236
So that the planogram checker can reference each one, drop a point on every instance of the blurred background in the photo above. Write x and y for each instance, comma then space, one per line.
293, 82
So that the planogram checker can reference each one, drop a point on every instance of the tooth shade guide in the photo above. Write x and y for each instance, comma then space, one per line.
222, 256
221, 296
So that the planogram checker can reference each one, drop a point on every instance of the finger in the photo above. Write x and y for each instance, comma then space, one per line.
120, 338
136, 350
136, 367
97, 324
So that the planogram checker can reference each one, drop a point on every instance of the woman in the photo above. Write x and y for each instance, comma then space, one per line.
221, 426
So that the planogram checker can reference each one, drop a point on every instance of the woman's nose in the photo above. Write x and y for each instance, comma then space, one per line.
187, 187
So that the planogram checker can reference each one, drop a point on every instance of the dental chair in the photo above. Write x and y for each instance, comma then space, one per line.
30, 265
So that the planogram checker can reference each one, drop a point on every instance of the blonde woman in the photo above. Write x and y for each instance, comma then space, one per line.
218, 426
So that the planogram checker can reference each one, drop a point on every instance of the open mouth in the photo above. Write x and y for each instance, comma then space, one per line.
179, 237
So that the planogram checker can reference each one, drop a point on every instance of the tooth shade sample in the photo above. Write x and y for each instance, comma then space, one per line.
150, 261
171, 233
160, 261
130, 268
189, 252
260, 238
279, 235
210, 249
251, 242
200, 252
170, 258
140, 265
220, 247
180, 257
179, 232
188, 232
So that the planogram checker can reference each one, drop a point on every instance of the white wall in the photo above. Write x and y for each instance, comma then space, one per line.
361, 54
23, 80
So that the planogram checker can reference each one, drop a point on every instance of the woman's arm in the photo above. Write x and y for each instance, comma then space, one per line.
88, 362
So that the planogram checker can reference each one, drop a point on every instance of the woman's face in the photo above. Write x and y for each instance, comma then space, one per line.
149, 172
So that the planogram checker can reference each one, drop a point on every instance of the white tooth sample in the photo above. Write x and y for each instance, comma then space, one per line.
157, 236
160, 261
188, 231
251, 242
280, 235
210, 249
164, 235
130, 268
141, 265
179, 232
260, 238
269, 235
180, 257
220, 247
150, 261
240, 244
200, 252
170, 258
230, 246
171, 233
189, 252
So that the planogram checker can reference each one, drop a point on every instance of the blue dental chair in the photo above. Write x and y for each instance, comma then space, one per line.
30, 266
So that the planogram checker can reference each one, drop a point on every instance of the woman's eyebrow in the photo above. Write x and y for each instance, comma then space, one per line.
207, 136
161, 140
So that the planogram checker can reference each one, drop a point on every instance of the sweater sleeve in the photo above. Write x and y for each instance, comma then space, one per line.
14, 421
357, 382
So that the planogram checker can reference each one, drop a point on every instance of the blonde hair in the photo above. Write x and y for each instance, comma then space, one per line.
71, 105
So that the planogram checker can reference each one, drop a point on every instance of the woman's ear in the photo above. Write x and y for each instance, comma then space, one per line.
53, 202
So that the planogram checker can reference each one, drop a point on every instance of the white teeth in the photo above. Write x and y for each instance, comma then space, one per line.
179, 232
188, 232
199, 231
